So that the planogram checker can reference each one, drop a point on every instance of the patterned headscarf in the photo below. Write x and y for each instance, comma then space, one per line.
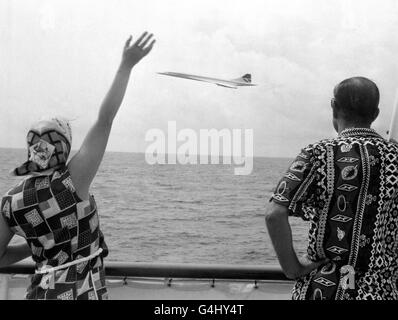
49, 144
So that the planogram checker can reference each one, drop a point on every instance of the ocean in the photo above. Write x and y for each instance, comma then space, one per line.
181, 213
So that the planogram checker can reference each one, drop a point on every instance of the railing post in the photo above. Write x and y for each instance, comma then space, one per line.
4, 286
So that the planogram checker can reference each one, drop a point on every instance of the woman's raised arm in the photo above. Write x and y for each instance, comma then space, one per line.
84, 165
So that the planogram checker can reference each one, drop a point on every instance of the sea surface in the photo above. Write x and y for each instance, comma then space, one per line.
181, 213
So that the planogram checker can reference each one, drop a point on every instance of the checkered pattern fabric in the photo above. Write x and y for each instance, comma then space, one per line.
59, 228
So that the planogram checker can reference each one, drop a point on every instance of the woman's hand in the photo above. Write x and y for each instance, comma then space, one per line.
132, 54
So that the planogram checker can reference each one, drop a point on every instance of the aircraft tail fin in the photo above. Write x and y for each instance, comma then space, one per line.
246, 78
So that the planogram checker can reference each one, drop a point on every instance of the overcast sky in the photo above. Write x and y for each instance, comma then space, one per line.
59, 57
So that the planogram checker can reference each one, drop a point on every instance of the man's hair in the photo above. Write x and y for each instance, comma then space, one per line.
357, 99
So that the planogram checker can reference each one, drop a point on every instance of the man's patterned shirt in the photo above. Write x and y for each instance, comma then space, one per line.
348, 189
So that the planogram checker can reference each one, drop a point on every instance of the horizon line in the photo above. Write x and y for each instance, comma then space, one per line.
197, 155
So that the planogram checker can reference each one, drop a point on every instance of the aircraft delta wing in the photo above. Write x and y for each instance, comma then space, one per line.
244, 81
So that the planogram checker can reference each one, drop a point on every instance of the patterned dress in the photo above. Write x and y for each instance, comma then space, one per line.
348, 189
59, 228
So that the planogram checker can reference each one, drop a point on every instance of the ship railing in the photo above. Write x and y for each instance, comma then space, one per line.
169, 270
165, 272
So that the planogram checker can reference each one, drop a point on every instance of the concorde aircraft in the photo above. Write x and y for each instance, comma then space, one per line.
245, 81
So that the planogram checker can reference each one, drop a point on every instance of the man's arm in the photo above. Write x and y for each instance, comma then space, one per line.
84, 165
277, 221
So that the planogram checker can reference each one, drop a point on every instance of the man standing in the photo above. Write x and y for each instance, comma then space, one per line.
348, 189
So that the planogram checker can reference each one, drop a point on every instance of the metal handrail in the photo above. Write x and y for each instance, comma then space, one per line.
168, 270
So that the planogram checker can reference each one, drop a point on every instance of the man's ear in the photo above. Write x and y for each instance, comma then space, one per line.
334, 106
377, 112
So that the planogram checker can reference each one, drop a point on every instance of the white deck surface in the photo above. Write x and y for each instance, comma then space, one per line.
157, 289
